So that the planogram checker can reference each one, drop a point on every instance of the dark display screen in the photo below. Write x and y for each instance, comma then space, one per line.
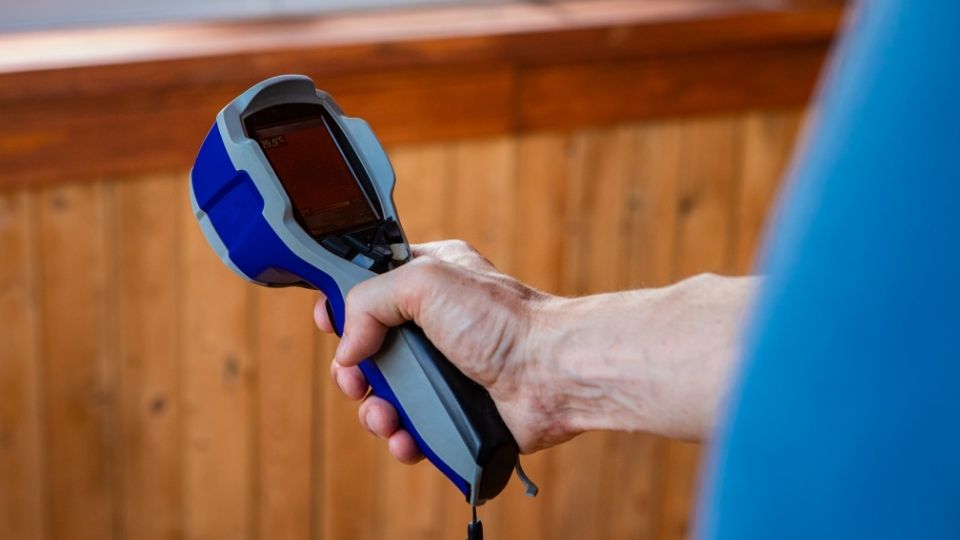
315, 173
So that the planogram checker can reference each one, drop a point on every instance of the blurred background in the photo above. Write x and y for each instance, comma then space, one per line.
584, 146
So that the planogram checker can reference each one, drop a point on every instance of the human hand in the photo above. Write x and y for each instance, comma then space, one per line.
479, 318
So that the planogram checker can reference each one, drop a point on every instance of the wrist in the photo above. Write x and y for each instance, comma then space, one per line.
553, 375
592, 362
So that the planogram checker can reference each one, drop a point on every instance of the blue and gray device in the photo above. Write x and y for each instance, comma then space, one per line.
291, 192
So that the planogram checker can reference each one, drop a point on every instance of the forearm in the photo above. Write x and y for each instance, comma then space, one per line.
655, 360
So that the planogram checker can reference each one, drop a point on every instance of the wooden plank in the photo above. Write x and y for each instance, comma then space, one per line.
629, 472
409, 496
708, 191
706, 220
218, 397
86, 137
22, 498
569, 66
285, 356
147, 282
423, 190
57, 136
484, 197
574, 95
80, 387
543, 168
768, 143
76, 63
654, 209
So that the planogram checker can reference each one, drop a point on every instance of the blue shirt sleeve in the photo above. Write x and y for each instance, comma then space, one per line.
845, 422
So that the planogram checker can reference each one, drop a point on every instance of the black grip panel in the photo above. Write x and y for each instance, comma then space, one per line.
473, 412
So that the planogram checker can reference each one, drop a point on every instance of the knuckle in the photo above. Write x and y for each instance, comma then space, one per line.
417, 279
461, 245
426, 265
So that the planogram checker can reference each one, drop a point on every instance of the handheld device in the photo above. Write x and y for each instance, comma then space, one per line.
291, 192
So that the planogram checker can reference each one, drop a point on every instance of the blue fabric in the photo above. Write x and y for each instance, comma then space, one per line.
845, 422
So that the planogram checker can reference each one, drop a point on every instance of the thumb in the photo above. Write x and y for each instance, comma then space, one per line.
382, 302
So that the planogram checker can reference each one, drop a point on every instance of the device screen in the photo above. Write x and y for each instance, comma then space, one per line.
315, 173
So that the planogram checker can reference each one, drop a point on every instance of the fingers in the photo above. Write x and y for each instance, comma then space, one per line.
378, 416
403, 448
350, 380
320, 316
374, 306
381, 419
379, 303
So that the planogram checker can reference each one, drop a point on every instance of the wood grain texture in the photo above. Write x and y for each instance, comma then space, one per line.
23, 493
496, 70
80, 385
147, 344
286, 369
155, 366
377, 39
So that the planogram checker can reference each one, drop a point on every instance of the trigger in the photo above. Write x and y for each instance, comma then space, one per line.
333, 321
530, 489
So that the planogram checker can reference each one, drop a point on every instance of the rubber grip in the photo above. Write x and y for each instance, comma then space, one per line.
472, 410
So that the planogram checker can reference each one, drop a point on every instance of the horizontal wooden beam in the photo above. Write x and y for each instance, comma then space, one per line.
87, 103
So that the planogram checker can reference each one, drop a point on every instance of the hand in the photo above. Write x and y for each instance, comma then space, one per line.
654, 360
479, 318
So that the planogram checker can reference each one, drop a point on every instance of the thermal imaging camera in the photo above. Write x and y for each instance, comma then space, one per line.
291, 192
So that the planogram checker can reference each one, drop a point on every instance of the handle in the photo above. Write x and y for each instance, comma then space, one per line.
452, 419
472, 410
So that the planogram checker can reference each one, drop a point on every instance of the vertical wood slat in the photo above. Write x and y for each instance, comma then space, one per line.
484, 197
218, 402
285, 356
22, 494
79, 385
705, 236
147, 342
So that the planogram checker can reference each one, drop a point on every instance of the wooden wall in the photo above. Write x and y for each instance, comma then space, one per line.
148, 393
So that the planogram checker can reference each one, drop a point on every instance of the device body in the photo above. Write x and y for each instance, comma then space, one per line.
276, 206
